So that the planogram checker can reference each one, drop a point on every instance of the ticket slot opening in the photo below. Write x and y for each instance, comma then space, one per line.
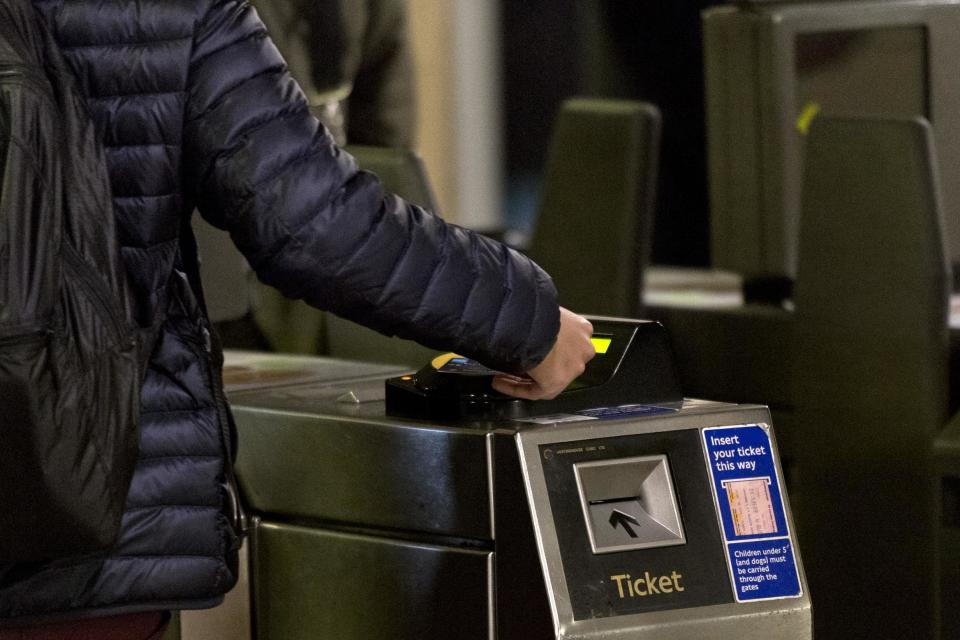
629, 503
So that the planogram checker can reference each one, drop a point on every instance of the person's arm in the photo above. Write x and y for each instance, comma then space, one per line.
316, 228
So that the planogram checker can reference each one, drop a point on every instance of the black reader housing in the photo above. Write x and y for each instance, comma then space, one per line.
634, 365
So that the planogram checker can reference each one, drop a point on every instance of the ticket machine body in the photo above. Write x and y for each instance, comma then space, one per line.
612, 516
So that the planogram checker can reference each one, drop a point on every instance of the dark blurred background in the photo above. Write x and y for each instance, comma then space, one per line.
554, 49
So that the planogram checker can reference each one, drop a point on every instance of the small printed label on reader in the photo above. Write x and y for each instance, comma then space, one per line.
622, 411
746, 486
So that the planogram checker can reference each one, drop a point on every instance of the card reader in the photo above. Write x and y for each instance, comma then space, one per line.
633, 364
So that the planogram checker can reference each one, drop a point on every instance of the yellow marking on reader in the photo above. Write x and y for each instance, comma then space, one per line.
810, 111
601, 344
441, 360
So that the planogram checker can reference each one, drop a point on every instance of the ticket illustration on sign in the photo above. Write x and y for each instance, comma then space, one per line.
751, 506
749, 501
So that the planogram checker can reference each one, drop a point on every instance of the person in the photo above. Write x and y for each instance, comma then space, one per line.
353, 60
195, 107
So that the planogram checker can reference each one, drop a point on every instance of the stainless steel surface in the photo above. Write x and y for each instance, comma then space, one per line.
313, 583
379, 473
760, 623
255, 371
786, 619
521, 599
357, 398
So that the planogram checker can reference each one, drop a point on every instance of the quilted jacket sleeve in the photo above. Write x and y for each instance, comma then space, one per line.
316, 228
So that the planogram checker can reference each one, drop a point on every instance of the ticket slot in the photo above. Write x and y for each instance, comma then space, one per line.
629, 504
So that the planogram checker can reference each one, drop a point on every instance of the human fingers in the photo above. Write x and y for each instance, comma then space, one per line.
568, 357
523, 388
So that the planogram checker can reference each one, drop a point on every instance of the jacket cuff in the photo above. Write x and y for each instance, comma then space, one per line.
544, 327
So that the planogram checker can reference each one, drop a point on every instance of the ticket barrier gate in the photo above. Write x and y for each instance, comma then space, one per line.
432, 507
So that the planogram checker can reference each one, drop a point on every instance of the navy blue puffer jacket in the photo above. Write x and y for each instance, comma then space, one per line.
196, 108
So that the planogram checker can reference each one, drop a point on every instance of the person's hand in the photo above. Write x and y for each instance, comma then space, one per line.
566, 360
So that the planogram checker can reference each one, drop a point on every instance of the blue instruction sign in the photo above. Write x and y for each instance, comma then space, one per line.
746, 486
